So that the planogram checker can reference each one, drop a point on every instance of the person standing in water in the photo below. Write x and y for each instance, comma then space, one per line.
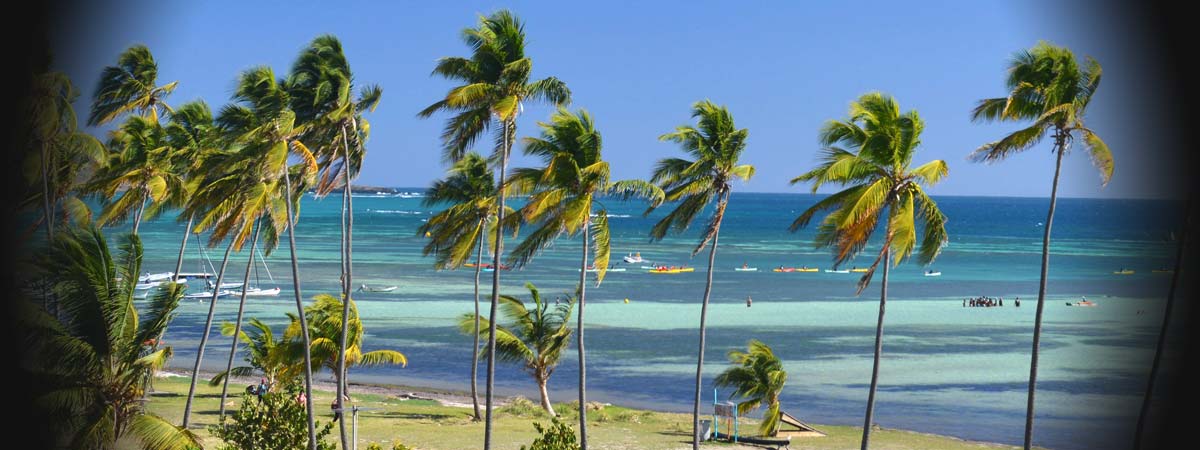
748, 301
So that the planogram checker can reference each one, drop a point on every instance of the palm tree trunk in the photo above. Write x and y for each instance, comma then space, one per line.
542, 382
182, 247
137, 218
212, 307
46, 209
237, 324
1162, 332
347, 272
712, 257
1041, 301
497, 249
870, 416
291, 221
583, 263
475, 344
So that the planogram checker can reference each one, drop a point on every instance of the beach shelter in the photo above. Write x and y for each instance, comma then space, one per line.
790, 426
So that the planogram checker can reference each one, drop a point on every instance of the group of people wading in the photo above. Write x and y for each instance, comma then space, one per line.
988, 302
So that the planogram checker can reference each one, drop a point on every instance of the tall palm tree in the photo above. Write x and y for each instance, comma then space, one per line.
1048, 86
261, 123
142, 171
462, 228
495, 84
758, 376
320, 85
95, 362
533, 337
325, 320
62, 154
871, 152
130, 86
193, 133
566, 190
715, 146
272, 357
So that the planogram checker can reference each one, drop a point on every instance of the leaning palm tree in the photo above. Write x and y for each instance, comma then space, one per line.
715, 146
130, 86
321, 86
274, 358
871, 152
261, 123
566, 195
95, 361
758, 376
193, 133
140, 172
495, 85
1049, 87
325, 320
533, 337
461, 229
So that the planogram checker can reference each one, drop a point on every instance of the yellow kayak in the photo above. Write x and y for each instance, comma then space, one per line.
858, 270
1123, 272
676, 270
808, 269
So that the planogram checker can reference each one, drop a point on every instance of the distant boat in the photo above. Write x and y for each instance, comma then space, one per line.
593, 269
634, 258
855, 269
784, 269
154, 284
209, 294
365, 288
930, 273
1123, 272
837, 270
746, 268
671, 269
258, 292
796, 269
155, 277
1081, 303
808, 269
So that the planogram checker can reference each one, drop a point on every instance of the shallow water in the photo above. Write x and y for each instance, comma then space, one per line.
946, 369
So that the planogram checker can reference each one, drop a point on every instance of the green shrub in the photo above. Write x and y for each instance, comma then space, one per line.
374, 446
399, 446
522, 407
278, 422
559, 436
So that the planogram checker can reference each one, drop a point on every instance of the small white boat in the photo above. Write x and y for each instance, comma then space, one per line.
209, 294
837, 270
634, 258
155, 277
154, 284
365, 288
930, 273
258, 292
746, 269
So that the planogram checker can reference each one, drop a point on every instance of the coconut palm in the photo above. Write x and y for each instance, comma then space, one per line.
462, 228
194, 134
715, 146
496, 82
94, 363
61, 154
276, 359
142, 171
566, 195
871, 152
1048, 86
758, 376
261, 124
325, 320
320, 85
533, 337
130, 86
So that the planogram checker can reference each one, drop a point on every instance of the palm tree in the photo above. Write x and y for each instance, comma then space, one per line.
96, 361
565, 193
260, 122
715, 145
534, 337
495, 84
871, 152
325, 320
462, 228
142, 171
1046, 85
130, 86
276, 359
320, 86
192, 132
63, 154
758, 376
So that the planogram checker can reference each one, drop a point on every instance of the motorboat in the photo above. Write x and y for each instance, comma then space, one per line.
155, 277
930, 273
634, 258
365, 288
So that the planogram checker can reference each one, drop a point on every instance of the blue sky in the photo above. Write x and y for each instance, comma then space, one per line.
782, 68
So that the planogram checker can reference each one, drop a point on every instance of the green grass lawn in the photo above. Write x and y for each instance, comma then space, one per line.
427, 425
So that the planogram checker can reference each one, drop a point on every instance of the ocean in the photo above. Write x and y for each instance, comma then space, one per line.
946, 369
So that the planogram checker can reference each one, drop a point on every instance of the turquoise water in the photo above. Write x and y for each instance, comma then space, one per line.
946, 369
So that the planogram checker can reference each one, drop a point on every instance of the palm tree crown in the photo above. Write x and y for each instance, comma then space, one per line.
455, 232
758, 376
130, 86
871, 152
